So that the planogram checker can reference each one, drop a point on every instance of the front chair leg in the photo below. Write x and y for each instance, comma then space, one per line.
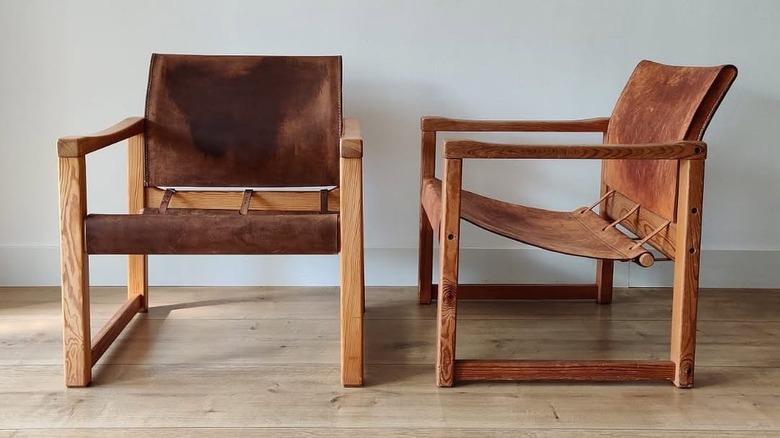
352, 276
77, 348
447, 301
686, 271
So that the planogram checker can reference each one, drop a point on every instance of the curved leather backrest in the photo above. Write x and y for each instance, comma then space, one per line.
243, 121
661, 103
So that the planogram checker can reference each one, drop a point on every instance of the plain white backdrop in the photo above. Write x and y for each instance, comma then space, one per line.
75, 67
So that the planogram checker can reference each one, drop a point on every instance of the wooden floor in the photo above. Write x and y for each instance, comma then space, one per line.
211, 362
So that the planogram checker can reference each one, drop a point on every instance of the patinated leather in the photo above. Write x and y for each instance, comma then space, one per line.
581, 232
243, 121
212, 232
661, 103
227, 121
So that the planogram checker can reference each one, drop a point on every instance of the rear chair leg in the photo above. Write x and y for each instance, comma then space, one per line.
425, 260
425, 254
604, 275
138, 279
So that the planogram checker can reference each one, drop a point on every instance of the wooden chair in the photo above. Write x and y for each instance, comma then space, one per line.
237, 123
652, 184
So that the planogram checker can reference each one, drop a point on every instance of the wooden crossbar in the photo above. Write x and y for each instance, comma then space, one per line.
523, 291
114, 327
589, 370
232, 200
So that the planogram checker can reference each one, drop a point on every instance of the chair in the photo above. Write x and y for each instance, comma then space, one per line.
652, 183
237, 124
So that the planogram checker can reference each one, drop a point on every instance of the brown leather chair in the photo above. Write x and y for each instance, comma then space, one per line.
652, 184
237, 123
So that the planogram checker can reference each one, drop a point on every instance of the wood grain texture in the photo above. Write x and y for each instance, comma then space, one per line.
390, 431
351, 142
686, 271
274, 396
302, 200
523, 291
78, 146
352, 274
604, 280
137, 264
434, 124
75, 271
604, 268
643, 223
426, 231
171, 379
447, 302
523, 330
661, 103
114, 327
389, 303
656, 128
431, 202
691, 150
561, 370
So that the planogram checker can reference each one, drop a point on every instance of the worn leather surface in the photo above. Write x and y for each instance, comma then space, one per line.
243, 121
580, 232
212, 232
661, 103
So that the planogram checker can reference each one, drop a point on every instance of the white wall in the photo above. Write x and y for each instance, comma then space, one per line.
73, 67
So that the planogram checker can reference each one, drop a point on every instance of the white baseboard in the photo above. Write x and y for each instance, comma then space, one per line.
39, 266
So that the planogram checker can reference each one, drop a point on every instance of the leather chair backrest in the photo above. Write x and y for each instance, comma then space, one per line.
661, 103
243, 121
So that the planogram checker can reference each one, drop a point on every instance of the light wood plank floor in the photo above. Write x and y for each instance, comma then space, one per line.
227, 362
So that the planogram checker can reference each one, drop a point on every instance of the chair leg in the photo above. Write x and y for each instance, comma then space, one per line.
686, 271
425, 260
352, 275
425, 249
604, 274
447, 301
138, 279
684, 329
604, 268
137, 265
77, 347
351, 320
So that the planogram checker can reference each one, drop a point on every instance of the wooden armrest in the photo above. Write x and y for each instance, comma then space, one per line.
351, 142
681, 150
433, 124
78, 146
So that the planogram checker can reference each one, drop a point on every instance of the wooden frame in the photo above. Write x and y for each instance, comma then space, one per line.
680, 242
81, 352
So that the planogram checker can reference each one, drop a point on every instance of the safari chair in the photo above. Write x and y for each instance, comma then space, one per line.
652, 182
235, 155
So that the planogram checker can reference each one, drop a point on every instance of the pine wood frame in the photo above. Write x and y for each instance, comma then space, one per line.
681, 243
81, 352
